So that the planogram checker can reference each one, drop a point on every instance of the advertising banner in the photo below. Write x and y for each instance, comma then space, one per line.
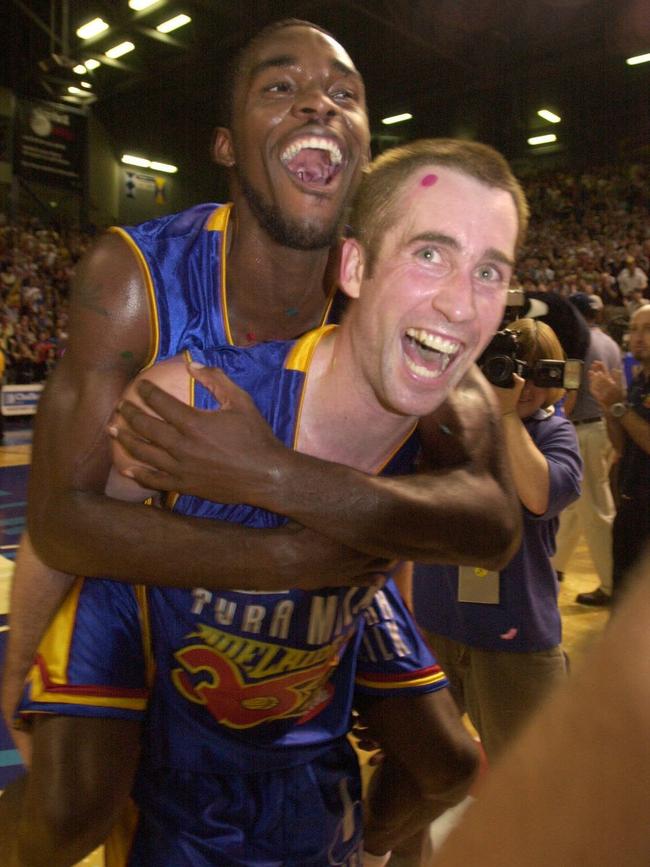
50, 142
20, 399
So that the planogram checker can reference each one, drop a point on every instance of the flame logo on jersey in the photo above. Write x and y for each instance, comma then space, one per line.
209, 677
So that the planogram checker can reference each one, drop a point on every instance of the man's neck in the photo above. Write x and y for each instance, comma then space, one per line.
273, 292
342, 419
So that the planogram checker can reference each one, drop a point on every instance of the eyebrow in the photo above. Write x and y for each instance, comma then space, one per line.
450, 241
284, 61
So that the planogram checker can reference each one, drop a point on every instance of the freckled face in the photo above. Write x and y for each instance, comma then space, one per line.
300, 133
438, 289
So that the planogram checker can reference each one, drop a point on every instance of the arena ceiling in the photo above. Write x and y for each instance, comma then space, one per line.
476, 67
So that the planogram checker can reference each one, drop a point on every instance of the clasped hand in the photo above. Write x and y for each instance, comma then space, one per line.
605, 385
228, 455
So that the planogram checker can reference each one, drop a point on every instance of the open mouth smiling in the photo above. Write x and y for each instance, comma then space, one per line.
428, 355
313, 161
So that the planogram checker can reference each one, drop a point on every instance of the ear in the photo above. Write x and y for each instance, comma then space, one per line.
223, 151
353, 261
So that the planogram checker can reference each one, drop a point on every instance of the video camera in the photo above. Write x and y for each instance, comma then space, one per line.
500, 360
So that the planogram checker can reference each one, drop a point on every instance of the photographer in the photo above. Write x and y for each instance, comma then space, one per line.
497, 635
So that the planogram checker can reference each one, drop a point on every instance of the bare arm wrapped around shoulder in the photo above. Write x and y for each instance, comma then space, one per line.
75, 528
460, 508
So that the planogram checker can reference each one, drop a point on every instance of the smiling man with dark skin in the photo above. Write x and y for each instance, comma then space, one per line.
295, 88
295, 148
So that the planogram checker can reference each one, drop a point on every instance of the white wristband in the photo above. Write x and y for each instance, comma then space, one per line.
369, 860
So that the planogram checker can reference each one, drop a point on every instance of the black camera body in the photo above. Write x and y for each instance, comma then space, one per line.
500, 360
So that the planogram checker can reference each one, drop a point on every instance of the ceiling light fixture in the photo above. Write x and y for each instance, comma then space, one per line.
163, 167
86, 84
542, 139
397, 118
80, 69
91, 64
92, 28
143, 163
130, 160
550, 116
640, 58
119, 50
173, 23
139, 5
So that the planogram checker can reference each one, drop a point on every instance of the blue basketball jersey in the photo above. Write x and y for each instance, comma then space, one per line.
184, 264
230, 683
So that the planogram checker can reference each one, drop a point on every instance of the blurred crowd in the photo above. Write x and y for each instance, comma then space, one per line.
589, 232
36, 265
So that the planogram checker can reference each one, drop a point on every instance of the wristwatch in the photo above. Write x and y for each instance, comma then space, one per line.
618, 409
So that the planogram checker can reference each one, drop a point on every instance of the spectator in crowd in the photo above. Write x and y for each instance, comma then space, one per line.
635, 299
593, 512
497, 635
631, 277
628, 426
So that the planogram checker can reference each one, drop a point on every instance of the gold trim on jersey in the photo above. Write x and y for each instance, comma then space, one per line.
145, 631
53, 659
55, 644
392, 685
299, 358
218, 222
154, 322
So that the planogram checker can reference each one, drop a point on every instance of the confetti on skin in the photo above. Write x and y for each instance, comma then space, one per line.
428, 180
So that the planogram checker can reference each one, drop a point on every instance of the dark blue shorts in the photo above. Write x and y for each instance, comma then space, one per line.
304, 816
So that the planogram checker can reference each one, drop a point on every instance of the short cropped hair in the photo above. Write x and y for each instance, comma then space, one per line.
236, 67
537, 340
373, 209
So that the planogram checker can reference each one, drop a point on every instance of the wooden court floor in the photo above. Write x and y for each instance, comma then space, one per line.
581, 625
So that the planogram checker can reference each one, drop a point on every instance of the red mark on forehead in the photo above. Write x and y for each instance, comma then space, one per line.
428, 180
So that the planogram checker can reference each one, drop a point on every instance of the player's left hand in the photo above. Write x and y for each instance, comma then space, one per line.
226, 455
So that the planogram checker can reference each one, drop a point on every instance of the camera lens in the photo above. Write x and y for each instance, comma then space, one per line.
498, 370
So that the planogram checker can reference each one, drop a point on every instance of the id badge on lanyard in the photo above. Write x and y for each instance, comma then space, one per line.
478, 585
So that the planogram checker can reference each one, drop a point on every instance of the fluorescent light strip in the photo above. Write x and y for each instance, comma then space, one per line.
640, 58
550, 116
91, 64
135, 161
139, 5
542, 139
173, 23
80, 69
119, 50
163, 167
397, 118
92, 28
143, 163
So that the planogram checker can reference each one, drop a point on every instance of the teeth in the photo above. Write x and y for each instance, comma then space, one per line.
316, 143
433, 341
424, 372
